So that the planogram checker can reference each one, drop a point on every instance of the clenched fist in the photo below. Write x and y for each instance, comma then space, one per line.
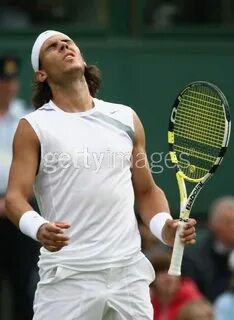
187, 236
52, 237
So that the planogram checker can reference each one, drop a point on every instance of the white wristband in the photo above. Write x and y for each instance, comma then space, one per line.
30, 222
157, 222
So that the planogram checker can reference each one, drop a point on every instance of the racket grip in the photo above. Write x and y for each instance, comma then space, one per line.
177, 253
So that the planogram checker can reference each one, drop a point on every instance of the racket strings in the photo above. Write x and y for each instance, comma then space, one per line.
195, 174
199, 131
194, 166
212, 123
213, 138
197, 154
188, 159
199, 96
200, 113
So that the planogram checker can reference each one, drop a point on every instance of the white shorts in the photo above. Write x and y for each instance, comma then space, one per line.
119, 293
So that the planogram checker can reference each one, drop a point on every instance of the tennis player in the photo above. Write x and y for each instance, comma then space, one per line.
86, 160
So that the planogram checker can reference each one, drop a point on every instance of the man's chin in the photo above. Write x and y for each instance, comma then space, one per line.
75, 70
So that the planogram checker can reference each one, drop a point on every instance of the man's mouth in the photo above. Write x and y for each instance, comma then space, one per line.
68, 56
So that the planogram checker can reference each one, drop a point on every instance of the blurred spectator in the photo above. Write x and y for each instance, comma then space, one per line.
170, 293
207, 264
224, 304
197, 310
18, 252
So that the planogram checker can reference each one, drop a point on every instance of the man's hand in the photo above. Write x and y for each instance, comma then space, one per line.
51, 235
187, 236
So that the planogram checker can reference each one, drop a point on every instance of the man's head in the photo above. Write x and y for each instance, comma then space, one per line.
56, 59
9, 84
36, 49
55, 55
221, 220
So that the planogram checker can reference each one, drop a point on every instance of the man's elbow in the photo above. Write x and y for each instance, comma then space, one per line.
11, 201
151, 189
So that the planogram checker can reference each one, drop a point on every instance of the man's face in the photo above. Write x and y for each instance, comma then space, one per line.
223, 225
60, 56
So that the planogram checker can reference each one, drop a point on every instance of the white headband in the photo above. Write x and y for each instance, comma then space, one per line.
39, 43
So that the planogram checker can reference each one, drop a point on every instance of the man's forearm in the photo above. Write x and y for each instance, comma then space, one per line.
154, 210
151, 202
16, 205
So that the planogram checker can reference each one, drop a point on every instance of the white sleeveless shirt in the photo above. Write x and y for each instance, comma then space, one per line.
84, 179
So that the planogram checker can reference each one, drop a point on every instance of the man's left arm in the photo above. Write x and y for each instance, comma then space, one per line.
150, 200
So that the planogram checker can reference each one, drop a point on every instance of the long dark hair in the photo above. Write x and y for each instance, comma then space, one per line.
43, 94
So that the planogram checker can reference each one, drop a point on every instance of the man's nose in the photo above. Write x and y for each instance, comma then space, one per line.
63, 45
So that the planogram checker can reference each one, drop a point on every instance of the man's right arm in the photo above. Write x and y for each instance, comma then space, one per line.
25, 162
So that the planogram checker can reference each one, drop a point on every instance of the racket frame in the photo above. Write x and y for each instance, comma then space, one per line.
186, 202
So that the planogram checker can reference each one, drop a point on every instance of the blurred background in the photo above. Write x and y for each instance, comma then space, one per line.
147, 51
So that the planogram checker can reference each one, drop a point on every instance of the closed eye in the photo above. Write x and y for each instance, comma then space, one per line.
69, 41
53, 45
50, 46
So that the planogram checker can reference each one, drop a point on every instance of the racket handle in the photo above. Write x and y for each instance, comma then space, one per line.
177, 254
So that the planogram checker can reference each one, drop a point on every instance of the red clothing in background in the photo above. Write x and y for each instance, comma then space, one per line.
187, 291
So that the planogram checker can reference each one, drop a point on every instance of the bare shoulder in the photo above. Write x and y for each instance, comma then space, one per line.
25, 135
26, 153
139, 131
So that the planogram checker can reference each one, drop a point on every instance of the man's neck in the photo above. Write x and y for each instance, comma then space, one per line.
73, 98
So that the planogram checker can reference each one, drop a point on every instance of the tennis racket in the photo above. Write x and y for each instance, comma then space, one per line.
199, 131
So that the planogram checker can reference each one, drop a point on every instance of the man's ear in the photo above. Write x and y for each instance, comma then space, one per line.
41, 75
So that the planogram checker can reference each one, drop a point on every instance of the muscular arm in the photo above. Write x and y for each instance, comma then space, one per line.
26, 147
150, 199
23, 171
